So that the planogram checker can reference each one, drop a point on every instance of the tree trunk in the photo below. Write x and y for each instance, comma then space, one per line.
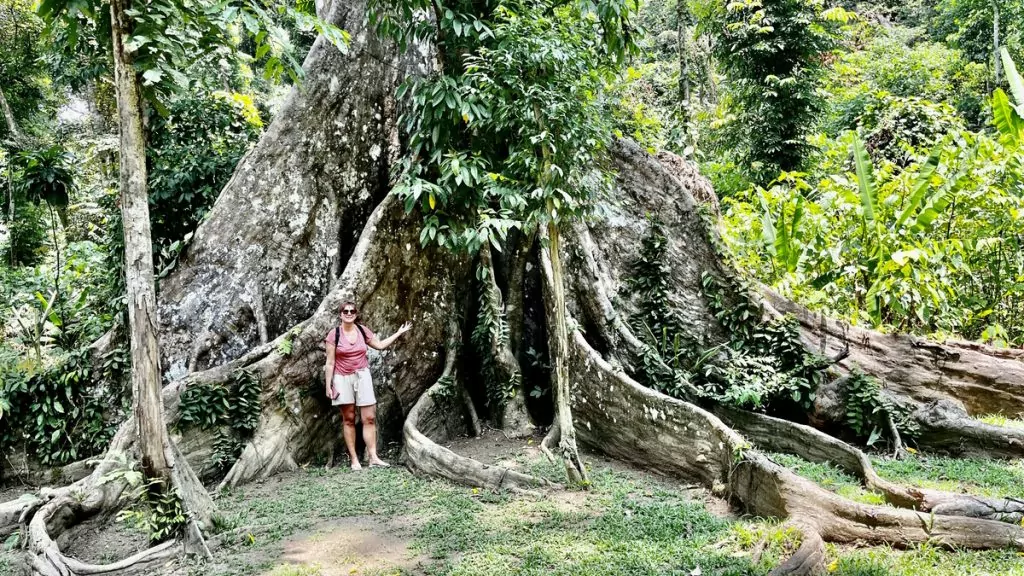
138, 252
559, 346
995, 42
289, 219
12, 125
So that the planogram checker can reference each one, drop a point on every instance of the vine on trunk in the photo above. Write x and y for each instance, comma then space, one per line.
231, 409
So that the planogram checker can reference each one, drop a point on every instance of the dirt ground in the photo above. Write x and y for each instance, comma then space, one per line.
354, 546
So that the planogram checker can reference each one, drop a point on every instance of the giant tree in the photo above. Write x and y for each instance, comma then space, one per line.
507, 132
307, 223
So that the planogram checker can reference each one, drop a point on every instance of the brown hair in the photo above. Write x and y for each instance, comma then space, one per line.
348, 303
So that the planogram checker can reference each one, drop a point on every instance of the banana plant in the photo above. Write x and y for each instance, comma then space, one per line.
923, 207
784, 240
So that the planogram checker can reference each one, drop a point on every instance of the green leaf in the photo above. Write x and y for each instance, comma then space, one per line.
865, 180
1014, 79
920, 188
1006, 118
152, 76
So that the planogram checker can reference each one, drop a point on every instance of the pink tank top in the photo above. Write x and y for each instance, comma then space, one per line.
349, 357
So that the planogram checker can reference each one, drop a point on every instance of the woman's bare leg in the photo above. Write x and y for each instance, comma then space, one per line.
348, 427
369, 416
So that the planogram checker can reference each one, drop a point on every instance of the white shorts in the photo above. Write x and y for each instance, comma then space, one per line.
354, 389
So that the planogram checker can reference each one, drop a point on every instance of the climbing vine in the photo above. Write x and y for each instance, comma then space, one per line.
868, 411
762, 365
231, 410
491, 326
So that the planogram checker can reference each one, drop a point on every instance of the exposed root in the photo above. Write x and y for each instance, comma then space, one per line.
985, 380
593, 286
625, 420
424, 455
946, 427
551, 438
779, 435
809, 558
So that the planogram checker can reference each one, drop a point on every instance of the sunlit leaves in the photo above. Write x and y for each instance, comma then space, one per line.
168, 36
510, 133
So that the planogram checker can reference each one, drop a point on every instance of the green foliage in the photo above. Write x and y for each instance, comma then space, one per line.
932, 247
762, 365
25, 73
868, 411
895, 65
34, 175
771, 52
44, 175
64, 411
149, 505
167, 37
967, 26
508, 132
232, 409
192, 152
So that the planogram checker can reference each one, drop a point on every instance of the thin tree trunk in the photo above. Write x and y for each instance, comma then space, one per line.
684, 60
567, 443
12, 129
12, 126
138, 253
995, 41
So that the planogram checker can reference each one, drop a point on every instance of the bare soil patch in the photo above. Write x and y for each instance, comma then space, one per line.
104, 540
361, 545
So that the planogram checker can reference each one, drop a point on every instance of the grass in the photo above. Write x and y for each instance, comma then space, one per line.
829, 477
979, 477
1000, 420
627, 523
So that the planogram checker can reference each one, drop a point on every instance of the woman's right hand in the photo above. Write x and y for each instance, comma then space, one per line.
330, 392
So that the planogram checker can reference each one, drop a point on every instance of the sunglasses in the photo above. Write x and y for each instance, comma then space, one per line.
349, 311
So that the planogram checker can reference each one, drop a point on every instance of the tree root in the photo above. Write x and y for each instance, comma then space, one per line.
779, 435
425, 456
983, 379
552, 437
625, 420
946, 427
809, 558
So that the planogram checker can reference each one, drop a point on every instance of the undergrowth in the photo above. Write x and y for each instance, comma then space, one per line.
761, 365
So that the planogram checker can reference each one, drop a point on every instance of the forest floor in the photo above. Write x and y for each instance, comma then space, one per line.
335, 522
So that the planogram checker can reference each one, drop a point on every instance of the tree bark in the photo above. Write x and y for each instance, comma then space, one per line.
995, 41
559, 346
287, 222
141, 290
12, 125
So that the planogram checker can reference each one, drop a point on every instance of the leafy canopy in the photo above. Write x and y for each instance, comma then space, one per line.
168, 36
509, 130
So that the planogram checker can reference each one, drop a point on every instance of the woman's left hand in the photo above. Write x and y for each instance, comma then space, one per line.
404, 328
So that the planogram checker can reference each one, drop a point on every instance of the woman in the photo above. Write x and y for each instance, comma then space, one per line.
348, 380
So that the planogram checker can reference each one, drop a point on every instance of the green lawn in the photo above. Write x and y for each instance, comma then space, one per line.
628, 523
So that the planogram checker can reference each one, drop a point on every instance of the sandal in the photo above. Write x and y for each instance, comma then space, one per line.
380, 464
